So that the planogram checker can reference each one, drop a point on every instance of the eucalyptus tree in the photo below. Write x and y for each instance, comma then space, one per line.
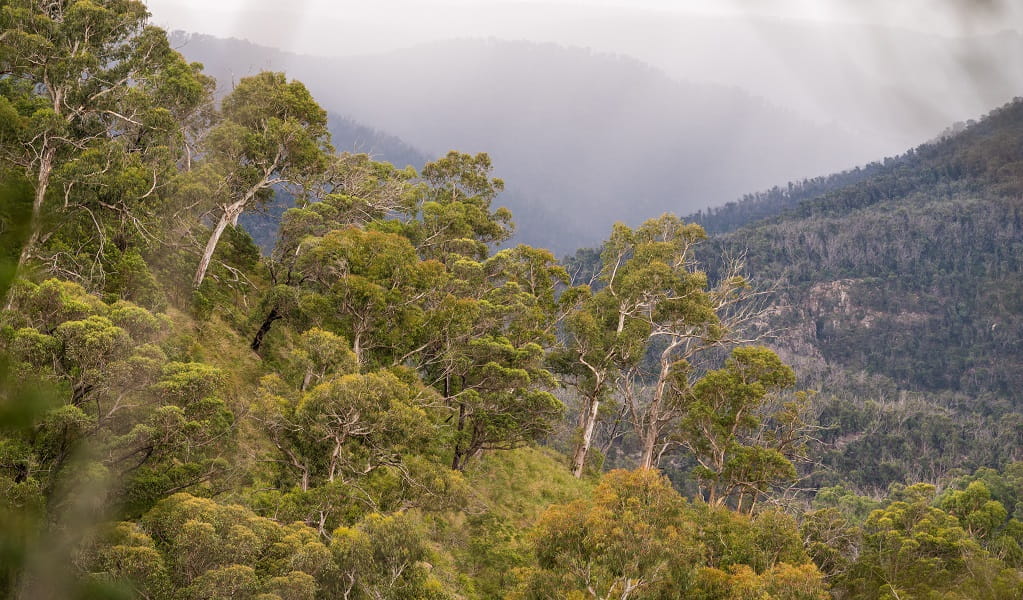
912, 549
592, 360
273, 133
456, 216
97, 99
150, 424
638, 334
384, 558
637, 538
722, 422
370, 287
402, 269
486, 335
489, 355
356, 192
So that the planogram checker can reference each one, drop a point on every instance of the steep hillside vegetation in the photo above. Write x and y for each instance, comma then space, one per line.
918, 258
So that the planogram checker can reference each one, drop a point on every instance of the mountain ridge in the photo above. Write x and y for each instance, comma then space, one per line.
803, 196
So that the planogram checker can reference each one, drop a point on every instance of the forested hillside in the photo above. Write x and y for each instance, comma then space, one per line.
389, 405
898, 294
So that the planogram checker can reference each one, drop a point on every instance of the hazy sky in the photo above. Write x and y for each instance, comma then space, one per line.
858, 79
350, 27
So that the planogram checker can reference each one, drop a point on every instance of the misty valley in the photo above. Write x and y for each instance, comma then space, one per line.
502, 318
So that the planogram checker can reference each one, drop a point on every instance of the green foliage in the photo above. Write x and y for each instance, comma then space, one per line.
272, 133
15, 211
630, 540
643, 331
154, 424
457, 221
723, 427
383, 557
831, 540
985, 518
353, 444
370, 287
638, 538
911, 547
103, 108
129, 278
188, 547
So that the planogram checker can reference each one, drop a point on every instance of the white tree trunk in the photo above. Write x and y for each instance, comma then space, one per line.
589, 423
649, 444
42, 184
231, 213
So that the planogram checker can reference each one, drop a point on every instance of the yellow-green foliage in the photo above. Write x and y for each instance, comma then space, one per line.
188, 547
477, 550
637, 538
353, 415
521, 484
913, 549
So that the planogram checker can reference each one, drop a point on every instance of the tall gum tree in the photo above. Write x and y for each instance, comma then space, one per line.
722, 416
87, 76
357, 191
593, 356
273, 133
654, 314
484, 341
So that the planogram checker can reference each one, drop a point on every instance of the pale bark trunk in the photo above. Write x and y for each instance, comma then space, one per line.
652, 429
357, 347
655, 419
649, 445
589, 423
231, 213
42, 184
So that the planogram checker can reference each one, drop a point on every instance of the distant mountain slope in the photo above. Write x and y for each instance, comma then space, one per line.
900, 297
911, 268
975, 156
895, 84
582, 139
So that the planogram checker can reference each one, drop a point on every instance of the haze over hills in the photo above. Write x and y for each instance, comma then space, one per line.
896, 72
895, 85
582, 139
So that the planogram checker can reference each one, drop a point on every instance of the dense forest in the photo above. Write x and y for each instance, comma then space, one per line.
897, 292
391, 403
